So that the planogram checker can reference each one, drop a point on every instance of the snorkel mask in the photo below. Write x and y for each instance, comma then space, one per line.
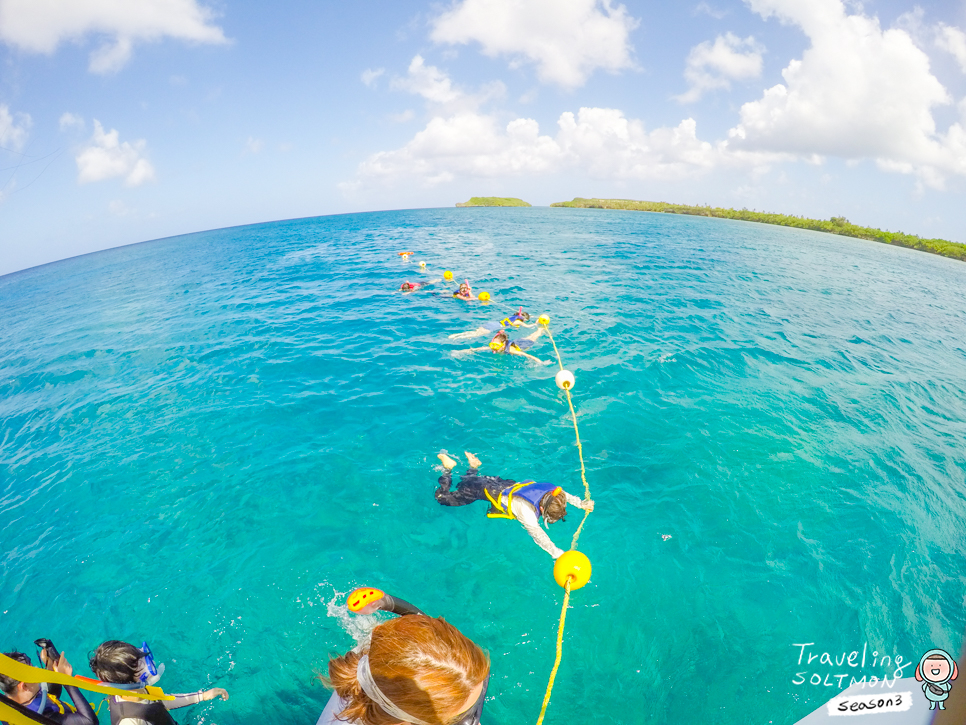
148, 672
473, 715
497, 344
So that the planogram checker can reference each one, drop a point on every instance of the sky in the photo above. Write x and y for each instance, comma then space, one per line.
123, 121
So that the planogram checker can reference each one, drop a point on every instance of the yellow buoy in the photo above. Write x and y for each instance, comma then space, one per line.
572, 564
484, 296
543, 320
447, 275
564, 380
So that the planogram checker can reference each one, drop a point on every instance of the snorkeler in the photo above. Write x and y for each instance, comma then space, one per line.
413, 669
465, 292
407, 287
517, 319
502, 344
44, 699
528, 502
123, 665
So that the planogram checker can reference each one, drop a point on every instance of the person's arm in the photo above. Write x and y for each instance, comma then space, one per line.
84, 715
579, 502
525, 514
470, 349
193, 698
516, 351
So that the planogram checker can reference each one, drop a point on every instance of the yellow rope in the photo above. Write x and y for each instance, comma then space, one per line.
556, 664
573, 544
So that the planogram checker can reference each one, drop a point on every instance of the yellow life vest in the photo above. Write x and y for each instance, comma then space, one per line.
532, 496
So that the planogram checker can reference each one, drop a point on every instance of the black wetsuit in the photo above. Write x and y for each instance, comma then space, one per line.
472, 487
84, 715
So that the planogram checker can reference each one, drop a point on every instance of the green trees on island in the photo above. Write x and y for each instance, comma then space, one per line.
494, 201
835, 225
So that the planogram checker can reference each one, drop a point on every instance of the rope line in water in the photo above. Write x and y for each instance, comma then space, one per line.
556, 664
573, 544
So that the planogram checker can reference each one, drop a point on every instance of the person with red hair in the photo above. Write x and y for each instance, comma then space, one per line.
414, 669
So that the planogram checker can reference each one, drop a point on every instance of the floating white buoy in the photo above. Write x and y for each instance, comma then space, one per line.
564, 380
422, 264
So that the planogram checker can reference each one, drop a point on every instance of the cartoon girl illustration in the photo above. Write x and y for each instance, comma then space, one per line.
936, 671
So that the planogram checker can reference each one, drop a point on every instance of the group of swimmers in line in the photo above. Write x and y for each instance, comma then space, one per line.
500, 343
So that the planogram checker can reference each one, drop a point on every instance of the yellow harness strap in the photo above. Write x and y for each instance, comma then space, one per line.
60, 705
500, 512
26, 673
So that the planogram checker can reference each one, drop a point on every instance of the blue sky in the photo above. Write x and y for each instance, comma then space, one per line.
128, 120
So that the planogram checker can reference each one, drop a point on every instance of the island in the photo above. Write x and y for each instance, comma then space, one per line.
494, 201
835, 225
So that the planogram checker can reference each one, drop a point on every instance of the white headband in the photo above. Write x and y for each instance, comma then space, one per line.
368, 685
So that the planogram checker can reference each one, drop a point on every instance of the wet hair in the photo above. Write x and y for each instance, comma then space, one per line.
501, 336
7, 683
525, 316
553, 508
424, 666
116, 661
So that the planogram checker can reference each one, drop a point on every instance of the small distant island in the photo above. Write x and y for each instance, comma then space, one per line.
494, 201
835, 225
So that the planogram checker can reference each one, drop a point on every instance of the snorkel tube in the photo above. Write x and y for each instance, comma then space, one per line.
367, 600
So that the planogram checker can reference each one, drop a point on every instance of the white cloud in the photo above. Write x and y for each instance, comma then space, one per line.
13, 129
600, 142
566, 39
71, 120
404, 117
369, 75
857, 92
39, 26
703, 7
436, 87
711, 66
953, 40
106, 158
254, 145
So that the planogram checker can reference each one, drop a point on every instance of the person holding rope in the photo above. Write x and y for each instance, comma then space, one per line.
44, 699
528, 502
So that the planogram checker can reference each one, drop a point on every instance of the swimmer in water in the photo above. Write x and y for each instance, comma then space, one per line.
529, 502
503, 345
517, 319
407, 287
465, 292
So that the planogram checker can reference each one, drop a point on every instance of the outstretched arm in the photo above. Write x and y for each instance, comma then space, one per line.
515, 351
528, 518
194, 698
469, 350
579, 502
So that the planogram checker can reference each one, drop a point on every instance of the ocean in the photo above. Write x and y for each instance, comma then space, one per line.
207, 441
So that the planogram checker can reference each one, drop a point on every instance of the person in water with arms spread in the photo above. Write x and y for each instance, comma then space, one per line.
528, 502
517, 319
501, 344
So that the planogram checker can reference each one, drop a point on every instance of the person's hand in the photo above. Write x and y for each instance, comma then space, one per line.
216, 692
63, 666
589, 505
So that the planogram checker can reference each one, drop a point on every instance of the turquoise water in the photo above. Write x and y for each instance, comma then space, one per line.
207, 441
